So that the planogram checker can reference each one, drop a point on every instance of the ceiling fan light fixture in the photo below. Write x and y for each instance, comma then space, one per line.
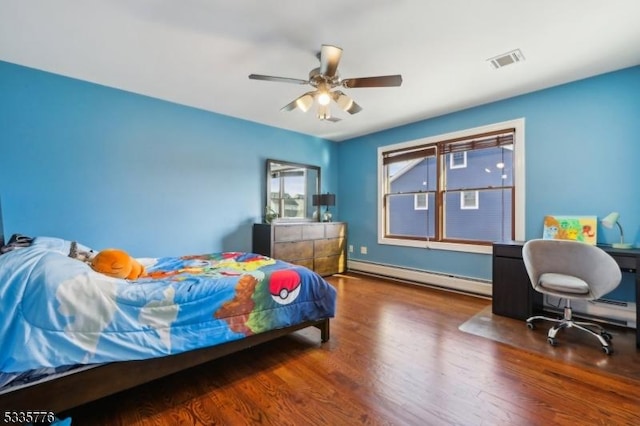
325, 80
324, 113
304, 102
324, 98
344, 102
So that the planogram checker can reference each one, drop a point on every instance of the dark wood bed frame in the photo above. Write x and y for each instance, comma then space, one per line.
76, 389
79, 388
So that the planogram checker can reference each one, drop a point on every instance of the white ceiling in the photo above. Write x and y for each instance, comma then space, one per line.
200, 52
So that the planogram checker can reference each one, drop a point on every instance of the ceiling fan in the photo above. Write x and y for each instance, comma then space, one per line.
325, 79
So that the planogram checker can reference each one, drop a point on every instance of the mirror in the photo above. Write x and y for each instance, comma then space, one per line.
290, 187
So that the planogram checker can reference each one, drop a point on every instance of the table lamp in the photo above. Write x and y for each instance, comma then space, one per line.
608, 222
325, 200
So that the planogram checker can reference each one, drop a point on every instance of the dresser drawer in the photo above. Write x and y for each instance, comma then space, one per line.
287, 233
328, 247
313, 232
293, 250
328, 265
307, 263
334, 230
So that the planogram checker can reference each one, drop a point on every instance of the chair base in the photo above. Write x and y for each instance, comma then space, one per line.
596, 330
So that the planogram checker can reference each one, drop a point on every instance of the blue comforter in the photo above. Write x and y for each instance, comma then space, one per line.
57, 311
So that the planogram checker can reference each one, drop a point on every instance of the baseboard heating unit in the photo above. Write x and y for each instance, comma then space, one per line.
466, 285
602, 310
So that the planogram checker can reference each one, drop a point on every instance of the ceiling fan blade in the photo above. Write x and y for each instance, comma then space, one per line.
381, 81
303, 102
345, 102
278, 79
329, 59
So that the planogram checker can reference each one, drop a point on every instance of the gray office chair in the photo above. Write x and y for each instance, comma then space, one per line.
571, 270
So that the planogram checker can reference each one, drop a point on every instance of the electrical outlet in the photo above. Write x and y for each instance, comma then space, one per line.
363, 249
350, 248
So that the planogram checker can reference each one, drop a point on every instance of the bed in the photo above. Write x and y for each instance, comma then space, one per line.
116, 334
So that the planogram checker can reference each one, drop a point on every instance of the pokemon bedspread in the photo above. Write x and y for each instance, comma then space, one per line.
57, 311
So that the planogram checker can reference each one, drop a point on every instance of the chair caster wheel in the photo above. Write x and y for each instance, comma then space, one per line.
552, 341
531, 325
606, 336
607, 350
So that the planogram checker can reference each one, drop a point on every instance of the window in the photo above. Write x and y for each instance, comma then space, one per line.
458, 160
456, 191
287, 192
469, 200
420, 202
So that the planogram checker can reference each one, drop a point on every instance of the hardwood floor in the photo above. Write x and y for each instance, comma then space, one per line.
396, 356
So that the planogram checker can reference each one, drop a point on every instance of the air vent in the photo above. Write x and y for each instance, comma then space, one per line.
506, 59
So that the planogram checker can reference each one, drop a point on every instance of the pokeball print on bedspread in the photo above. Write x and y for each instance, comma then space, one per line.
284, 286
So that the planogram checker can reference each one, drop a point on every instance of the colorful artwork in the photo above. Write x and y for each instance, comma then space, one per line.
576, 228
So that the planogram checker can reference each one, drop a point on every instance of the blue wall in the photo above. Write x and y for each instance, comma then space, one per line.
113, 169
582, 157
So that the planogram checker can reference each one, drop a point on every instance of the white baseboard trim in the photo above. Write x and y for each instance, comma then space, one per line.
417, 276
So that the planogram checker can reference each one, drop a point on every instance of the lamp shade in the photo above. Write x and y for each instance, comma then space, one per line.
323, 199
328, 199
610, 220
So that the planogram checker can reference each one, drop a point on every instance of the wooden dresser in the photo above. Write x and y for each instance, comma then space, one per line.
320, 246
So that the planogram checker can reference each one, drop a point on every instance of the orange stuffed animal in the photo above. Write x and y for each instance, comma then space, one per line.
118, 264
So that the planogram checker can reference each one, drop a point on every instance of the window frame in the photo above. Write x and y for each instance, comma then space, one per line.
518, 184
